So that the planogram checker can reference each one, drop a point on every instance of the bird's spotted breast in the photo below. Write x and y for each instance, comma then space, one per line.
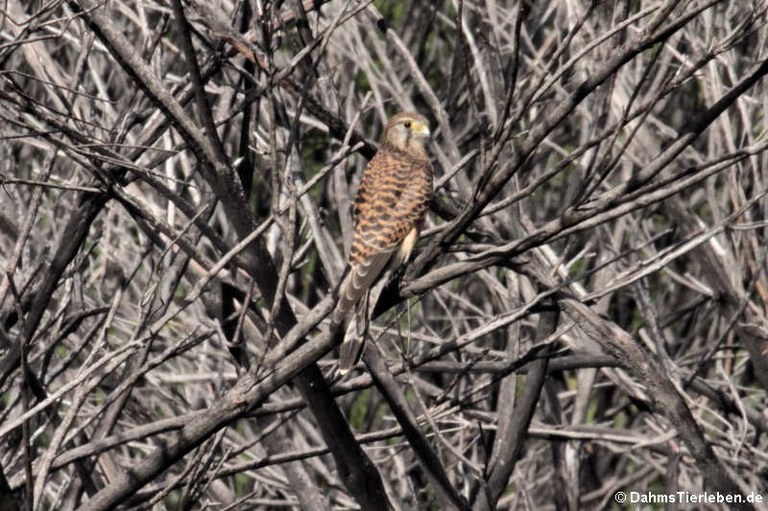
391, 201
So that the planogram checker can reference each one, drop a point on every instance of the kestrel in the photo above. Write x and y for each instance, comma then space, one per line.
391, 202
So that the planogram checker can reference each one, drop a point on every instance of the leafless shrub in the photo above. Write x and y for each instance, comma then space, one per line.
585, 313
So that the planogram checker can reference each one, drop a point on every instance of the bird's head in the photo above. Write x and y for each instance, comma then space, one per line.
407, 131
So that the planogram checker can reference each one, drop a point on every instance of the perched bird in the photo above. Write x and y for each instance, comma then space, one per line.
389, 209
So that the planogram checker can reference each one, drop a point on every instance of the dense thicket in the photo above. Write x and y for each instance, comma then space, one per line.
585, 312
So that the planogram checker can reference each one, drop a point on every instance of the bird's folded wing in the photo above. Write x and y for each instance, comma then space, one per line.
357, 282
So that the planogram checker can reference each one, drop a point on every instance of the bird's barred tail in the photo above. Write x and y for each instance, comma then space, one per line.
354, 337
354, 293
357, 282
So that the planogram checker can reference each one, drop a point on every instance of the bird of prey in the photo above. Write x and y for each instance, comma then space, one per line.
391, 202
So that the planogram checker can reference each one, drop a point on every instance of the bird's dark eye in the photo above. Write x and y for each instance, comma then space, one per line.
407, 125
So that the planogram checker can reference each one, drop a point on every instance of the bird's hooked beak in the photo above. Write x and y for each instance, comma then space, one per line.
420, 128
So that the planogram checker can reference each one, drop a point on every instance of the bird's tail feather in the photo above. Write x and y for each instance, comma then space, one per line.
357, 329
354, 337
357, 282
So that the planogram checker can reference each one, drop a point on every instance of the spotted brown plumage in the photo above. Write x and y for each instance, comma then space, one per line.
391, 202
